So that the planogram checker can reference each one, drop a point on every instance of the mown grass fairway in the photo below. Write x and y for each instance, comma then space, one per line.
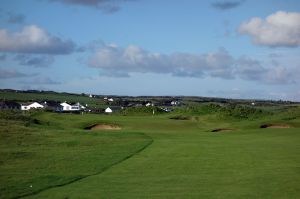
151, 157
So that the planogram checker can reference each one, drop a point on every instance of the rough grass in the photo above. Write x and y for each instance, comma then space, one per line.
234, 111
34, 159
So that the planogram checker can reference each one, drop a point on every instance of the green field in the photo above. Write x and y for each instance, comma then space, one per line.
50, 155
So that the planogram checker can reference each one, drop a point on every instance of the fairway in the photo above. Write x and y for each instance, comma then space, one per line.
154, 157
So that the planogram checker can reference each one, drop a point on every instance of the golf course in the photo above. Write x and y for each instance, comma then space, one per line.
149, 99
182, 154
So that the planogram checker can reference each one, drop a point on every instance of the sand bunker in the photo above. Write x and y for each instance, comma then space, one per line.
223, 129
103, 127
278, 126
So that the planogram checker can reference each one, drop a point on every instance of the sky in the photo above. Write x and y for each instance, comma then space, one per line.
216, 48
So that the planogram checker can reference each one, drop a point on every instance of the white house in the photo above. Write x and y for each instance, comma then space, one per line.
29, 106
72, 107
174, 103
66, 106
81, 107
149, 104
110, 99
108, 110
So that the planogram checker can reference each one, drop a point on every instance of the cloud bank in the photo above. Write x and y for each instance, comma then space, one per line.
33, 39
117, 61
120, 62
281, 29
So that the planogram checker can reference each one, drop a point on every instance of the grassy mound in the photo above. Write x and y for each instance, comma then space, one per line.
226, 111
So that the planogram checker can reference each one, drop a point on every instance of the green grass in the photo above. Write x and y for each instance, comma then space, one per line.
185, 159
200, 166
34, 159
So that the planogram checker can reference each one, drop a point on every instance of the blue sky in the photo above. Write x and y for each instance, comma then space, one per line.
221, 48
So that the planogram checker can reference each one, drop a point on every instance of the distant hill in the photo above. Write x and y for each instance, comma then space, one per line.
34, 95
98, 100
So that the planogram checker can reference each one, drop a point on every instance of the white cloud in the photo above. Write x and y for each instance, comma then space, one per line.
250, 69
279, 75
33, 39
115, 60
253, 70
281, 29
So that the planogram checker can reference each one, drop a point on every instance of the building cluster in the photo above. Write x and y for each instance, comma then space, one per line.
54, 106
48, 105
113, 105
